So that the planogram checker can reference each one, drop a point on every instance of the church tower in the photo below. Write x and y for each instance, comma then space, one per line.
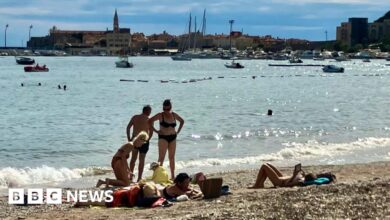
116, 23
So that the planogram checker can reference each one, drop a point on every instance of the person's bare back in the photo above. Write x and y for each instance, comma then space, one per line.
140, 123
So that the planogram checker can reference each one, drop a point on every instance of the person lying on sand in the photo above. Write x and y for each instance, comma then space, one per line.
181, 187
276, 177
141, 195
119, 162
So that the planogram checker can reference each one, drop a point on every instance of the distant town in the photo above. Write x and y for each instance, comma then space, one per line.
353, 36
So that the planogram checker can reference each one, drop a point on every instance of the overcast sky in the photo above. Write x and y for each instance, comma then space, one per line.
305, 19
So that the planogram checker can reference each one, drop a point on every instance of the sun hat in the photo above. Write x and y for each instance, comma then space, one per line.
153, 165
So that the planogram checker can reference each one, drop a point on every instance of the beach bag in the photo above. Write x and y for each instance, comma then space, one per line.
211, 187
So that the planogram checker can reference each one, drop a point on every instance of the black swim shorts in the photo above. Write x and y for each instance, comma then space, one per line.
144, 148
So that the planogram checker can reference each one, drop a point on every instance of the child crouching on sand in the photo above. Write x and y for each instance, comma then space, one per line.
160, 175
119, 162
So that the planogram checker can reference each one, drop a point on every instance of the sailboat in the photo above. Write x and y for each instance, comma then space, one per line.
182, 56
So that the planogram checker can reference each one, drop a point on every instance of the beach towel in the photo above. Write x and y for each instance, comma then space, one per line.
317, 181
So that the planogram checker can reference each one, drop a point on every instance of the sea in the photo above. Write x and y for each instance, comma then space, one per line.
56, 137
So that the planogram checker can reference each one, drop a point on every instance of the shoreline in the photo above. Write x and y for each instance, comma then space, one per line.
361, 191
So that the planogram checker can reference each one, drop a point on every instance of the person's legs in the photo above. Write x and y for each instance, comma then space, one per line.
141, 165
275, 169
162, 150
120, 174
171, 156
134, 155
100, 182
264, 172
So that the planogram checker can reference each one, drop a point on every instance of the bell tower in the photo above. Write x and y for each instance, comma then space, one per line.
116, 23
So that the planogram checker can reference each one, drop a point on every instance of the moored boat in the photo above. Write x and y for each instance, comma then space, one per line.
123, 62
295, 60
234, 65
332, 69
24, 60
36, 68
181, 57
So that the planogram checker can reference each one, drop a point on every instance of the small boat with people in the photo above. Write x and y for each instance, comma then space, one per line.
234, 65
36, 68
123, 62
332, 69
24, 60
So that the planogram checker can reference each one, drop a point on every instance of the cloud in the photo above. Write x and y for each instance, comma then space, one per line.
343, 2
264, 9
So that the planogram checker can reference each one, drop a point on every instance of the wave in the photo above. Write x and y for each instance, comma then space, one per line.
14, 177
295, 151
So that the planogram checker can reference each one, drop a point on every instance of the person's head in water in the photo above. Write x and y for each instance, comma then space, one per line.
147, 110
39, 84
167, 105
59, 86
269, 112
64, 87
22, 84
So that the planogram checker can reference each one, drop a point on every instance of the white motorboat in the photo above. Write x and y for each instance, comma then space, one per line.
234, 65
123, 62
332, 69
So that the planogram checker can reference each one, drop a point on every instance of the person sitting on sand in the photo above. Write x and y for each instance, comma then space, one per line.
160, 174
119, 162
276, 177
181, 187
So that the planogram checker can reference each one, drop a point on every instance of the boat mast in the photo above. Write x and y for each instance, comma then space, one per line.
189, 32
195, 33
204, 23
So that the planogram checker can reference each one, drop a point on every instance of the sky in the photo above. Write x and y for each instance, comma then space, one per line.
303, 19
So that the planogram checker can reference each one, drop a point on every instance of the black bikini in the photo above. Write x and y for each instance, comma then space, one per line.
171, 137
166, 124
166, 195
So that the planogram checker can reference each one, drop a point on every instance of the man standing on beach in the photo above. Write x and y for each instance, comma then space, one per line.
139, 123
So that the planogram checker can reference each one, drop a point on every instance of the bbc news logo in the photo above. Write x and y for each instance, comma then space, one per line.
55, 196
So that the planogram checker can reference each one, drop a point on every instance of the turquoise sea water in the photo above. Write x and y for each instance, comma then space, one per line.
47, 134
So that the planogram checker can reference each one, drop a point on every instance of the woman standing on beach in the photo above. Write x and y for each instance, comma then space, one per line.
119, 162
167, 134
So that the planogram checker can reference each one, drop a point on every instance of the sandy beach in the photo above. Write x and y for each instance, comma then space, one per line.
362, 191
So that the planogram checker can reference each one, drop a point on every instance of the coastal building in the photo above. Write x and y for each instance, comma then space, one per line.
353, 32
117, 41
343, 33
359, 31
378, 30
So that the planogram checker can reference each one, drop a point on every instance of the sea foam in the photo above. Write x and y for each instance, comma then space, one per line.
311, 150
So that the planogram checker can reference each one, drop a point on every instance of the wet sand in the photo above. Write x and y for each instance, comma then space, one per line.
362, 191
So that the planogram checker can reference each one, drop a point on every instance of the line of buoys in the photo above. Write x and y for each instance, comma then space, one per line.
40, 84
244, 77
